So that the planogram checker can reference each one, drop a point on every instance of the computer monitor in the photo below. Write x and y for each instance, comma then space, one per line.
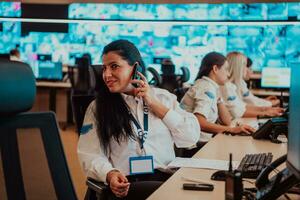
293, 158
44, 57
275, 77
4, 56
49, 71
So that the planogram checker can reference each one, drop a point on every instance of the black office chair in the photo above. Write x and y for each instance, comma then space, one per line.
156, 79
171, 81
33, 164
180, 92
79, 105
81, 101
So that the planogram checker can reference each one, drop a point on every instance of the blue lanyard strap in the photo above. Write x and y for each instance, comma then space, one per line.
142, 134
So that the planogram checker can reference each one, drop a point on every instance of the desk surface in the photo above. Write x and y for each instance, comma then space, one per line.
255, 76
217, 148
264, 92
50, 84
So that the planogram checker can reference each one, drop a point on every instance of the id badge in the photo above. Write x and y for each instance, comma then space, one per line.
141, 165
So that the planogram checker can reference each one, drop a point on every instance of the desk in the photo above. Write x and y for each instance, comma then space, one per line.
48, 84
217, 148
56, 92
255, 76
263, 92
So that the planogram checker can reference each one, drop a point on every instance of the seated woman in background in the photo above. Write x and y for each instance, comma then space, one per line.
233, 92
130, 121
204, 101
247, 95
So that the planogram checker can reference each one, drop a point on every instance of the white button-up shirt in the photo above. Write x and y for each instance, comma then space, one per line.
250, 99
234, 103
177, 126
202, 98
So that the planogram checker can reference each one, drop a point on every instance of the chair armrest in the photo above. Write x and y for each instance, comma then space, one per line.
96, 190
96, 186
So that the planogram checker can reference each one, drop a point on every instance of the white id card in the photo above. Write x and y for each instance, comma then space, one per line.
141, 165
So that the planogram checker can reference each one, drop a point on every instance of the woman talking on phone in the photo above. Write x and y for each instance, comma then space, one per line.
129, 130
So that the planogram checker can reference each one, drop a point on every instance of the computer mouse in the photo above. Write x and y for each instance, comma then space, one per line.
219, 175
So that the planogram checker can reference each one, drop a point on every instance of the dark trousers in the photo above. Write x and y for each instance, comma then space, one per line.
142, 186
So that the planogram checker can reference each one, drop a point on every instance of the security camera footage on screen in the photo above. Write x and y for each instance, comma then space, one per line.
185, 43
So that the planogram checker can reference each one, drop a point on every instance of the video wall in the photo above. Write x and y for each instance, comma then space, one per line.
184, 33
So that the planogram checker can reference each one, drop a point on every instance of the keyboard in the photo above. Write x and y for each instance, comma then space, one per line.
252, 164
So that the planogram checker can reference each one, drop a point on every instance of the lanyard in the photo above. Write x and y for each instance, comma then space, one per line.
142, 134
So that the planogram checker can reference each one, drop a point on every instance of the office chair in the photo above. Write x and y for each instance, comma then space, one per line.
79, 76
180, 92
81, 101
171, 82
33, 164
156, 79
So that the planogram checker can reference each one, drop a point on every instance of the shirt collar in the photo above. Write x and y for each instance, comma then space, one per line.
212, 82
127, 97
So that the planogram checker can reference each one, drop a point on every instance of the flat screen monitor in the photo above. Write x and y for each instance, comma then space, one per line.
44, 57
49, 71
293, 158
4, 56
276, 77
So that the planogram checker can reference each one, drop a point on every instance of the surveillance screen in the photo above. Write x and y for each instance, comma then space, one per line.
182, 32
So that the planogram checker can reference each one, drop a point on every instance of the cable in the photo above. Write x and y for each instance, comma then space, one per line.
249, 195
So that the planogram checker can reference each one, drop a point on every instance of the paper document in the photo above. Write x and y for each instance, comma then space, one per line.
202, 163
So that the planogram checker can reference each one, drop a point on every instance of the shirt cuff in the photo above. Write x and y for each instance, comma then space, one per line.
172, 119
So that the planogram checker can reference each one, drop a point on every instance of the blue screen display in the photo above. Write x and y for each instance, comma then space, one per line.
10, 9
182, 32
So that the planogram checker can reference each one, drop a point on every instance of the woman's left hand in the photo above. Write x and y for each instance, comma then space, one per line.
143, 90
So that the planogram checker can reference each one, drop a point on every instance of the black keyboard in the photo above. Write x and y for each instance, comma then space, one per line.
252, 164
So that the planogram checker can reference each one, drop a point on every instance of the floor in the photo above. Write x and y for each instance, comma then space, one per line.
70, 138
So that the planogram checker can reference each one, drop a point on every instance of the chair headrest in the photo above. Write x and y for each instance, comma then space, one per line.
17, 87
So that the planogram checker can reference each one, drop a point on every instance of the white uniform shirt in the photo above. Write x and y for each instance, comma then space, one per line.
202, 98
177, 126
234, 103
250, 99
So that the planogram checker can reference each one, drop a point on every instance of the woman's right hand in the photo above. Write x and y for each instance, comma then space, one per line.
118, 183
240, 129
273, 111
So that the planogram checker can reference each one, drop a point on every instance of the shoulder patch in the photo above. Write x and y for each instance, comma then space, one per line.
246, 94
231, 98
209, 94
86, 128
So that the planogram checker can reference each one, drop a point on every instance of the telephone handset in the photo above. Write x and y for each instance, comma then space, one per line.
262, 178
280, 183
135, 75
271, 129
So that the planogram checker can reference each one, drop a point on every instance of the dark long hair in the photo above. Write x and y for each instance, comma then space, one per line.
208, 61
112, 112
